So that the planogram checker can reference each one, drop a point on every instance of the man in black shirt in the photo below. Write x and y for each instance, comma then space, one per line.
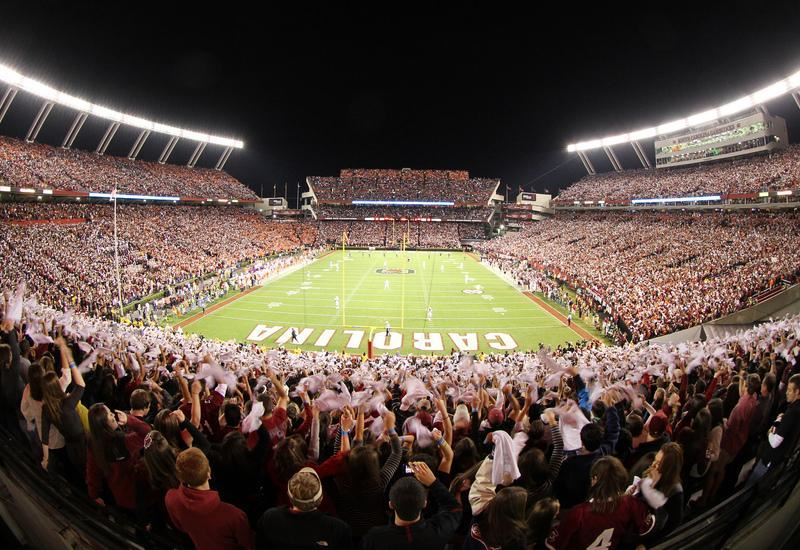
782, 437
301, 526
409, 529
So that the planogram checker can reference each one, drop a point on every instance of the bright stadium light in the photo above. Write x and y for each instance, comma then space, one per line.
674, 126
677, 199
702, 118
615, 140
763, 95
404, 203
771, 92
737, 106
42, 90
110, 196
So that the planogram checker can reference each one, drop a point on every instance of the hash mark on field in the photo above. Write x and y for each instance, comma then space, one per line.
500, 310
272, 305
292, 292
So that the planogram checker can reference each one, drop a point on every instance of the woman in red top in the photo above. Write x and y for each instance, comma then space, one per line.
113, 454
609, 517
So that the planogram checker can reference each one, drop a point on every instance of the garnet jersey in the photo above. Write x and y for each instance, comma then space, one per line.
584, 529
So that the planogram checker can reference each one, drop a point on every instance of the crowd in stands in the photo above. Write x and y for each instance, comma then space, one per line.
410, 185
776, 171
72, 266
39, 166
233, 446
397, 213
386, 234
196, 294
657, 273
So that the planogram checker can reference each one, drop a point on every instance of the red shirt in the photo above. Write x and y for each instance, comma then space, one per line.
737, 429
211, 523
121, 477
276, 425
209, 414
584, 529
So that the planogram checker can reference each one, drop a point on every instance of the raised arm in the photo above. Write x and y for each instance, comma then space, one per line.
280, 390
447, 424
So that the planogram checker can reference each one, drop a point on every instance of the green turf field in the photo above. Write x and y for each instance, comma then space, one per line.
471, 307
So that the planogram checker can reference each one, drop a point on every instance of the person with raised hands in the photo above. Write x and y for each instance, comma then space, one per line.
360, 497
275, 418
409, 529
59, 410
11, 382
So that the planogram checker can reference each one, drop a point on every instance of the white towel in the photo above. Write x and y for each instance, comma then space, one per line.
504, 466
253, 420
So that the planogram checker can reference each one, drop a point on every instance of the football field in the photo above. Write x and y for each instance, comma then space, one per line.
344, 300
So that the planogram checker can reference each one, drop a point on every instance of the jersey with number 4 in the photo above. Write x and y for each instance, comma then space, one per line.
584, 529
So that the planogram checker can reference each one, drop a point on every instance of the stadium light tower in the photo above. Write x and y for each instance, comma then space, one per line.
757, 100
17, 82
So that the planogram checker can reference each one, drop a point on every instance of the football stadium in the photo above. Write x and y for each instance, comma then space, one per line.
404, 296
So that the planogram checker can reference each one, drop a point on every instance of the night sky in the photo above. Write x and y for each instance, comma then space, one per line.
390, 85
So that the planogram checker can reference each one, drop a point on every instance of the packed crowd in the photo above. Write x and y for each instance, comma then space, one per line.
431, 185
386, 234
235, 446
72, 266
361, 212
43, 166
776, 171
657, 273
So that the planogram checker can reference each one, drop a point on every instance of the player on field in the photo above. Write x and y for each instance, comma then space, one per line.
386, 284
388, 328
430, 313
336, 301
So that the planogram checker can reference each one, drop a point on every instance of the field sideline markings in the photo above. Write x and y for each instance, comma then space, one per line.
394, 329
279, 310
545, 307
232, 299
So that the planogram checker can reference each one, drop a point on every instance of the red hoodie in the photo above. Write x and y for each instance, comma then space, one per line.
209, 522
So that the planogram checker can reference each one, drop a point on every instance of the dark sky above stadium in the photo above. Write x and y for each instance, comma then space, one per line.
314, 88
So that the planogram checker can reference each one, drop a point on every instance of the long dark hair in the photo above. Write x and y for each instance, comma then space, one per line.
363, 467
670, 468
609, 481
52, 396
540, 521
5, 356
167, 423
290, 456
159, 460
35, 375
502, 522
717, 409
108, 444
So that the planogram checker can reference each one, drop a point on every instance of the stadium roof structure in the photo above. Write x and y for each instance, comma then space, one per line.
17, 82
756, 100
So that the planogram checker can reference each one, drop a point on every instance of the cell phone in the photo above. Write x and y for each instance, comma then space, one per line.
409, 470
